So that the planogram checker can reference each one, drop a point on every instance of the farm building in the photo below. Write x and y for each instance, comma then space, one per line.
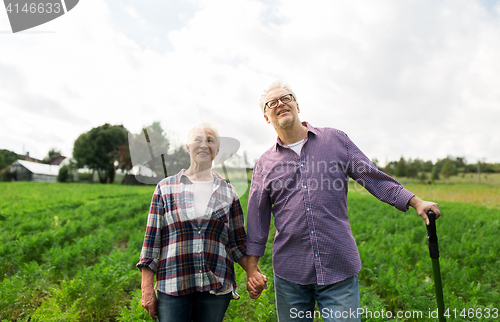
57, 160
32, 171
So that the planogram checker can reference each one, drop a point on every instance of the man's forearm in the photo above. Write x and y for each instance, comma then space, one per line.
252, 263
413, 201
243, 262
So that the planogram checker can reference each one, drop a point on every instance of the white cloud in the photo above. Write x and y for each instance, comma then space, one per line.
412, 79
131, 11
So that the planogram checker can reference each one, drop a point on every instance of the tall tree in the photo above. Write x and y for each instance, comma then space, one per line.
435, 173
448, 169
460, 162
390, 168
146, 148
401, 168
178, 160
52, 154
7, 157
123, 158
412, 170
2, 161
98, 149
427, 166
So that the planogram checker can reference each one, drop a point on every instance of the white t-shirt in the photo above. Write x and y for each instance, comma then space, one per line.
202, 191
297, 147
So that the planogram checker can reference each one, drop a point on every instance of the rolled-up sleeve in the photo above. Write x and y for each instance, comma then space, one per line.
258, 214
382, 186
151, 247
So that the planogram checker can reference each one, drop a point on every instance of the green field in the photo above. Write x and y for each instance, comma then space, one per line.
68, 253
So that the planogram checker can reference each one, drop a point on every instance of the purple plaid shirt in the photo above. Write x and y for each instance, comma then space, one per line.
188, 255
307, 195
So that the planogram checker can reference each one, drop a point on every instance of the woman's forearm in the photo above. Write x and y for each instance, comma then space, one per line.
148, 278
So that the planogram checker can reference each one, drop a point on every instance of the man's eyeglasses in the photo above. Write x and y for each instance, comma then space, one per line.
283, 99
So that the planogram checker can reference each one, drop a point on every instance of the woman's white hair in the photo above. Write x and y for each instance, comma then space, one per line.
274, 85
204, 126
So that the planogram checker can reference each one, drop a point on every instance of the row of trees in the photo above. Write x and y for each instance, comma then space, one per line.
6, 158
425, 170
106, 148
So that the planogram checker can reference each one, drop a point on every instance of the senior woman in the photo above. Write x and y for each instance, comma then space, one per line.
195, 233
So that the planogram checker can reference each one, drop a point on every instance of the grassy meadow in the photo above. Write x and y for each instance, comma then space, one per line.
68, 253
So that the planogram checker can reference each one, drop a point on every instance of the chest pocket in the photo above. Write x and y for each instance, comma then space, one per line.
221, 211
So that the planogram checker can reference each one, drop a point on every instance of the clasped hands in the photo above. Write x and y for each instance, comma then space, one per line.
256, 283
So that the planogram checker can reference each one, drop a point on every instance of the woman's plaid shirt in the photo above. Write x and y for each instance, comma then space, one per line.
189, 256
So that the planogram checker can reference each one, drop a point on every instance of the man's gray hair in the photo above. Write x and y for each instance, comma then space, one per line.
274, 85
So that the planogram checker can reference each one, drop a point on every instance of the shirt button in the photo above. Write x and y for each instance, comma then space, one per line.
312, 232
302, 164
305, 187
307, 209
315, 255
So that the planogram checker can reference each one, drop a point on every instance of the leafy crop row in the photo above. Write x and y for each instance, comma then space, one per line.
68, 253
75, 262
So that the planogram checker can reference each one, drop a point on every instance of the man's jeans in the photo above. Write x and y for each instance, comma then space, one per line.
196, 306
336, 302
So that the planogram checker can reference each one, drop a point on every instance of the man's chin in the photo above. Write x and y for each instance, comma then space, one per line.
284, 123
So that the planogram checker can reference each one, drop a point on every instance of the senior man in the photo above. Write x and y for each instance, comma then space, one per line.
303, 181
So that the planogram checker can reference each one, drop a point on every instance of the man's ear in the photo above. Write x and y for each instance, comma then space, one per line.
298, 109
267, 119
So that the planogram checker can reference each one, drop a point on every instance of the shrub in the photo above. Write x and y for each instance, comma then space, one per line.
64, 174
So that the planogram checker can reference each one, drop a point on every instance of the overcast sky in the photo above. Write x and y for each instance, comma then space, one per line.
418, 79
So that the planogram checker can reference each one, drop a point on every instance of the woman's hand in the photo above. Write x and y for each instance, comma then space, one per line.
256, 284
256, 281
149, 301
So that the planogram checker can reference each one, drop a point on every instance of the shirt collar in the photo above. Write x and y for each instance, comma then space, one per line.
217, 177
310, 128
